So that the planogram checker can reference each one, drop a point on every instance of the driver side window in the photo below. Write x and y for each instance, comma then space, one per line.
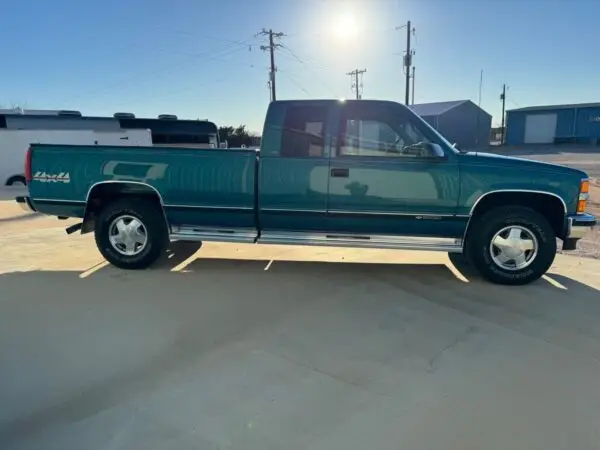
368, 138
375, 134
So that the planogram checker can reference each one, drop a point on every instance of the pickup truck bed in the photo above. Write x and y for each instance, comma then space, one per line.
359, 173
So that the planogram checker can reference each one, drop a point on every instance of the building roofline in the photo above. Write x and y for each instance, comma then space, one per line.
550, 107
451, 105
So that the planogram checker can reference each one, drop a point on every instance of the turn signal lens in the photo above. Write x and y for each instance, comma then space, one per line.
584, 189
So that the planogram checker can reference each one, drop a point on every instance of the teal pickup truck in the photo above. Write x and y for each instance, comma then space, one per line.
333, 173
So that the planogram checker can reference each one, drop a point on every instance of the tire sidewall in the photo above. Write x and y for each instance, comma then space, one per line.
155, 233
536, 224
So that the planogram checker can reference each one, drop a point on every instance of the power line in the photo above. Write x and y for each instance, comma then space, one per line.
316, 65
303, 63
271, 47
289, 77
356, 84
217, 53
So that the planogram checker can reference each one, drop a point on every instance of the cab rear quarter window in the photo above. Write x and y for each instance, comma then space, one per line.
303, 134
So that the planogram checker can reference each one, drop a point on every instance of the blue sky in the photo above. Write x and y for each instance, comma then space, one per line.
201, 58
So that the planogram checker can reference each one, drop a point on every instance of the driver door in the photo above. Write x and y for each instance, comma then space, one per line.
379, 184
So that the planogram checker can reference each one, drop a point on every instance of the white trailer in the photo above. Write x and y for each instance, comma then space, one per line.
14, 145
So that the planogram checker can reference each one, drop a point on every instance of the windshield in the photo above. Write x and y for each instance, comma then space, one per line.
443, 140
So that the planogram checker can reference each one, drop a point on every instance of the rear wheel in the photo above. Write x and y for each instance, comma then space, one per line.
511, 245
131, 234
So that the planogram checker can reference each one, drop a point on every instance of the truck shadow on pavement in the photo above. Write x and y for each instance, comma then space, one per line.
17, 218
129, 332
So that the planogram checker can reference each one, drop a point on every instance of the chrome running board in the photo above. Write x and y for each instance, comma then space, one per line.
192, 233
364, 241
250, 235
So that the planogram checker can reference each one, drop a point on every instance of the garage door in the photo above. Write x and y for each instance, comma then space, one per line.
540, 128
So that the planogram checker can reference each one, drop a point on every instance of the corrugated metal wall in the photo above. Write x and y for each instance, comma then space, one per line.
460, 125
467, 125
515, 128
580, 124
587, 123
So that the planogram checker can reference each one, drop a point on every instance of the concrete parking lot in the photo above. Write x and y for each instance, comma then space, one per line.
250, 347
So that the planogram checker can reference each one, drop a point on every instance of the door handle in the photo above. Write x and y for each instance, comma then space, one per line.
340, 173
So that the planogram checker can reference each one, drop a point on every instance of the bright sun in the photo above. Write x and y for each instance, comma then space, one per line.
345, 26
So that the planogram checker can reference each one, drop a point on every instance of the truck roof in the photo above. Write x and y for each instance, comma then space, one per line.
328, 102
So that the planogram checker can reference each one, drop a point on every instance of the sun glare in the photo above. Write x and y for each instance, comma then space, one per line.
345, 26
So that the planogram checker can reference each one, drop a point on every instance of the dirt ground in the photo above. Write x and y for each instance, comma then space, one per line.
268, 347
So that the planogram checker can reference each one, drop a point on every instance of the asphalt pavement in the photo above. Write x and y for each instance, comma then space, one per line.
270, 347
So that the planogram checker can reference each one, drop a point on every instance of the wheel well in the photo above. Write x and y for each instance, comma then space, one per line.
106, 193
549, 206
14, 178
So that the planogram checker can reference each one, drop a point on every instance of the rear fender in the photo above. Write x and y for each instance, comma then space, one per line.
104, 192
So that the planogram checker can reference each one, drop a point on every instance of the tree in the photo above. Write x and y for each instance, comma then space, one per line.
235, 137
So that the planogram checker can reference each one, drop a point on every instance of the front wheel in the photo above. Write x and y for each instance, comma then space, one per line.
131, 234
511, 245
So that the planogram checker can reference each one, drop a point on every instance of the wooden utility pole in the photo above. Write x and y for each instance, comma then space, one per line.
408, 62
413, 87
407, 59
271, 47
356, 85
503, 98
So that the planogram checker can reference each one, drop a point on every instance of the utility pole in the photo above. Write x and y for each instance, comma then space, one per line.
413, 87
503, 98
479, 104
407, 59
271, 47
356, 85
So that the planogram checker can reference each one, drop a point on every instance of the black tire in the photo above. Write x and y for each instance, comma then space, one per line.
459, 259
154, 225
480, 250
16, 180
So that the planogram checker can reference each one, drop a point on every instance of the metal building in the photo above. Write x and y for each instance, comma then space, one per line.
461, 122
577, 124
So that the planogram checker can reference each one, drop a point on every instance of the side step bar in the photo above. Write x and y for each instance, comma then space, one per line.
358, 241
242, 235
190, 233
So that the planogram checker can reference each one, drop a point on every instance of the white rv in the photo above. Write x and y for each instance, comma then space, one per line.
14, 140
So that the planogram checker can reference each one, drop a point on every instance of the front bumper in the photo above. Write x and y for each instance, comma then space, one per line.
25, 203
579, 225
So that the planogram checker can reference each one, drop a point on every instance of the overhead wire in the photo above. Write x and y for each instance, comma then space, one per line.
303, 63
217, 53
289, 77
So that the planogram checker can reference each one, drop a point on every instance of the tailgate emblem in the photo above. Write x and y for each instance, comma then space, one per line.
62, 177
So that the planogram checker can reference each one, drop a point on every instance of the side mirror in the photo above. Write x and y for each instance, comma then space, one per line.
433, 150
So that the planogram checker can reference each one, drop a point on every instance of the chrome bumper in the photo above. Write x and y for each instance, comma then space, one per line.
578, 226
25, 203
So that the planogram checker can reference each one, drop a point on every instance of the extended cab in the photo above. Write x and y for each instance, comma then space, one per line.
334, 173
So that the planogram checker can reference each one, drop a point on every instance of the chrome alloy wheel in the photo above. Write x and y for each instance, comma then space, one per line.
514, 248
128, 235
